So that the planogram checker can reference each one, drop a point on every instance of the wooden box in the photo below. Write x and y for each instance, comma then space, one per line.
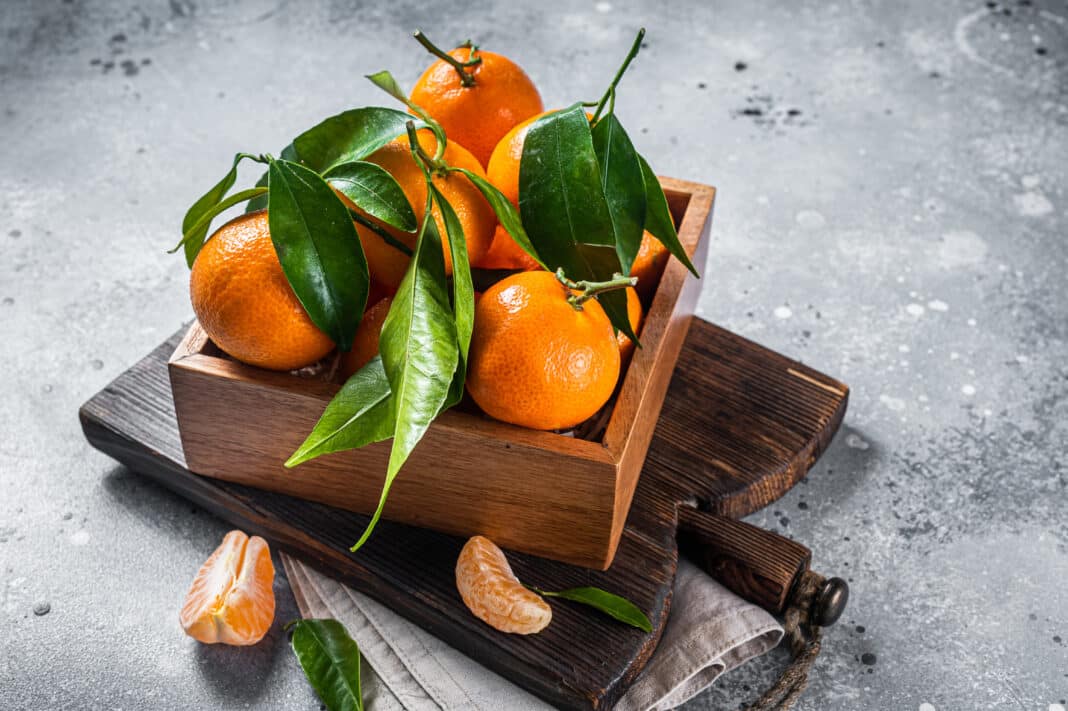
561, 496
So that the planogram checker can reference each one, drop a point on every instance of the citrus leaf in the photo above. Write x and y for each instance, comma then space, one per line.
624, 189
561, 199
506, 213
360, 413
658, 218
350, 136
201, 207
318, 248
198, 231
419, 352
374, 191
613, 605
331, 661
463, 294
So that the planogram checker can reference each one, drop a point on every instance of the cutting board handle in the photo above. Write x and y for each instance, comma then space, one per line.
760, 566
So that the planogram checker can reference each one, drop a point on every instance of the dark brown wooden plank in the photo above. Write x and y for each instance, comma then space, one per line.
740, 425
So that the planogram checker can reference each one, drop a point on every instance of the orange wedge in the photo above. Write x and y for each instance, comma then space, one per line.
232, 597
491, 591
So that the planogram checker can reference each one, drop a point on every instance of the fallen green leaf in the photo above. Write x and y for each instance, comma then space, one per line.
331, 661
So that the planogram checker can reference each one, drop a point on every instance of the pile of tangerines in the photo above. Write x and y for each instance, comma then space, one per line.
374, 273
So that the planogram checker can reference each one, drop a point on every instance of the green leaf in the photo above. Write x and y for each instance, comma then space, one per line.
193, 216
624, 189
260, 202
463, 294
319, 250
331, 661
560, 196
350, 136
419, 352
658, 218
506, 213
564, 208
198, 230
360, 413
374, 191
613, 605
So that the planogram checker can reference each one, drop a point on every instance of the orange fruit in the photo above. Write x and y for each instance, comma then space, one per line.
491, 591
477, 116
504, 253
649, 265
244, 302
386, 263
365, 342
232, 597
634, 315
502, 169
537, 361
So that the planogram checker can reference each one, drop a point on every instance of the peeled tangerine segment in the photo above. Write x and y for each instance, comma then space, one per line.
491, 591
232, 598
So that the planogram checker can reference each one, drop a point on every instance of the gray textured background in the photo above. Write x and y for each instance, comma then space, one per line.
892, 211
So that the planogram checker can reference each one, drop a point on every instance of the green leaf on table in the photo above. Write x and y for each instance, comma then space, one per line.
506, 213
463, 294
613, 605
658, 218
350, 136
359, 414
197, 232
375, 191
622, 182
318, 248
331, 661
419, 352
260, 202
204, 203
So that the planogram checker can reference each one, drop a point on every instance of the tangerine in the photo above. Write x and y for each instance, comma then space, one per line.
649, 265
491, 591
231, 599
497, 95
244, 302
537, 360
635, 316
386, 263
365, 342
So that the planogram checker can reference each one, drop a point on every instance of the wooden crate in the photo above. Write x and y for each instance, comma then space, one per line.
561, 496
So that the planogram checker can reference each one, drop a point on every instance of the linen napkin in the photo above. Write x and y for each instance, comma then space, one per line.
710, 631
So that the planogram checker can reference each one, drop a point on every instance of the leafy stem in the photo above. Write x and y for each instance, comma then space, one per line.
590, 289
385, 81
430, 164
466, 77
634, 48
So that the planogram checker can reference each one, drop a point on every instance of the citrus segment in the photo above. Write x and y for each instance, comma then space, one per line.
491, 591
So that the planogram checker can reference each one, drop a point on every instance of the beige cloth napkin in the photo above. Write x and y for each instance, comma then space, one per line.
710, 631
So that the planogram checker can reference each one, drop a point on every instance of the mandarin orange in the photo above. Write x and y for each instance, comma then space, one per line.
500, 95
536, 360
386, 263
491, 591
231, 599
649, 265
244, 302
365, 342
635, 316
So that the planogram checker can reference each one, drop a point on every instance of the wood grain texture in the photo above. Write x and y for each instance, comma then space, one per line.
553, 495
740, 424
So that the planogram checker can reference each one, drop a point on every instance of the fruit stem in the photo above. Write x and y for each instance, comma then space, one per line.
381, 232
434, 163
590, 289
634, 48
466, 77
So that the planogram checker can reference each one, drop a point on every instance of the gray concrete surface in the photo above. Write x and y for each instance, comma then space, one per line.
892, 211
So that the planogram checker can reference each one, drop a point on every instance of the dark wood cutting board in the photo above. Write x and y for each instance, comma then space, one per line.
740, 426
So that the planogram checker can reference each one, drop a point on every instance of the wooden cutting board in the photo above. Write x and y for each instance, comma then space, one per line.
740, 426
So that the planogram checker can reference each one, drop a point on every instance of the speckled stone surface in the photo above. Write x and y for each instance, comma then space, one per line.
893, 211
